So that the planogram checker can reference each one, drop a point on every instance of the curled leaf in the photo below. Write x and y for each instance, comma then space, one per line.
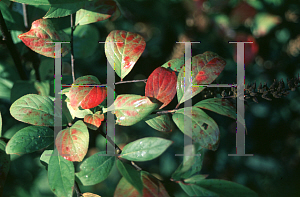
42, 31
93, 121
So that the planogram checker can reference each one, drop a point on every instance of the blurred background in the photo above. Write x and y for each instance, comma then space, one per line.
273, 126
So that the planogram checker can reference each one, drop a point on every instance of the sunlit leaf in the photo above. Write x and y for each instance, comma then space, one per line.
131, 175
95, 169
130, 109
86, 96
45, 157
72, 143
65, 9
30, 139
145, 149
42, 31
4, 165
174, 64
94, 11
205, 69
195, 179
123, 55
161, 84
152, 187
161, 122
87, 194
61, 175
205, 130
34, 109
93, 121
264, 23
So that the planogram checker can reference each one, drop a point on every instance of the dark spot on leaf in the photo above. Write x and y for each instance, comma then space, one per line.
205, 125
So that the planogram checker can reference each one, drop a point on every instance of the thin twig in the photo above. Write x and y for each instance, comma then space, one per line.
12, 48
110, 141
136, 166
77, 189
133, 81
25, 15
72, 47
166, 111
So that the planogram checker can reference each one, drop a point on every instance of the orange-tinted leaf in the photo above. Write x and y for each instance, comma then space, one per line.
93, 121
86, 96
152, 188
72, 143
161, 84
42, 31
126, 52
94, 11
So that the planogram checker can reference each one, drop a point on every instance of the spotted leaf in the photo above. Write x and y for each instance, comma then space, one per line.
42, 31
123, 55
93, 121
72, 143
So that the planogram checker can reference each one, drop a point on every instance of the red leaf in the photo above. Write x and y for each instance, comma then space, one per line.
152, 188
72, 143
43, 31
251, 49
86, 96
93, 121
161, 84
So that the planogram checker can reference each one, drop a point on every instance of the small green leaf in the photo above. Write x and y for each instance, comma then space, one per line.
131, 175
124, 54
160, 122
45, 157
61, 175
174, 64
4, 165
61, 10
190, 165
72, 143
195, 179
221, 188
94, 11
204, 130
30, 139
205, 69
145, 149
95, 169
34, 109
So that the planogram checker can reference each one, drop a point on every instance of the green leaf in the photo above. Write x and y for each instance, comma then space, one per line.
86, 96
34, 109
123, 55
205, 69
152, 187
4, 165
94, 11
13, 20
222, 188
195, 190
64, 9
5, 88
0, 125
21, 88
79, 113
264, 23
43, 31
205, 130
45, 157
87, 194
95, 169
47, 2
86, 40
130, 109
72, 143
30, 139
174, 64
145, 149
161, 122
221, 106
131, 175
195, 179
190, 165
61, 175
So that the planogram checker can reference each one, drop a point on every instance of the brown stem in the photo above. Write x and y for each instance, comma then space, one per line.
12, 48
72, 47
77, 189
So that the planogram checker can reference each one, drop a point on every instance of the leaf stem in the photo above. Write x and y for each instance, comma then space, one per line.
72, 47
167, 111
77, 189
12, 48
110, 141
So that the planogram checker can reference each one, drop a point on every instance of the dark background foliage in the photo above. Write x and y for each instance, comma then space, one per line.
273, 126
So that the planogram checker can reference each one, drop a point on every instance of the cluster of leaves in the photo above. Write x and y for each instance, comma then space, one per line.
84, 110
